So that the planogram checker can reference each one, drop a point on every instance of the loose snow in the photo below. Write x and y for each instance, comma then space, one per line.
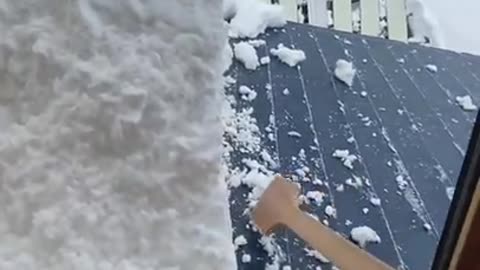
431, 68
286, 92
345, 72
363, 93
466, 103
363, 235
246, 53
288, 56
345, 157
106, 159
247, 93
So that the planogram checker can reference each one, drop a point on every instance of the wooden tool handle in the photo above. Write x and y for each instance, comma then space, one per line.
332, 245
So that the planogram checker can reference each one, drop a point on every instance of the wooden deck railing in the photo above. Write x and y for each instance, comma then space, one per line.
342, 15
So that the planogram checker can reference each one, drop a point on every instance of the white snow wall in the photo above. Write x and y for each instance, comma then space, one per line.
110, 138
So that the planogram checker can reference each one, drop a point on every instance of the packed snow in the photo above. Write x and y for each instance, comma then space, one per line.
288, 56
346, 158
363, 235
345, 72
246, 53
249, 18
466, 103
106, 161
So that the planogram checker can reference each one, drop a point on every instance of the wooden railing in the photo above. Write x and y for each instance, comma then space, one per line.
342, 15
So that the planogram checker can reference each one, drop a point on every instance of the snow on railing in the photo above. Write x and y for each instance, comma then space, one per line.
364, 16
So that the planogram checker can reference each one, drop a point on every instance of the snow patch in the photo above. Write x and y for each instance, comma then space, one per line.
363, 235
247, 93
401, 182
240, 241
355, 182
466, 103
345, 72
246, 54
345, 157
246, 258
294, 134
432, 68
316, 196
331, 211
450, 192
288, 56
375, 201
265, 60
252, 17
